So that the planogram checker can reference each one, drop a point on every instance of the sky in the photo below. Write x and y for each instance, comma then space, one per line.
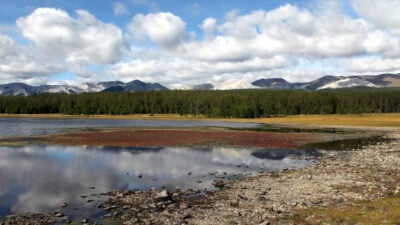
183, 43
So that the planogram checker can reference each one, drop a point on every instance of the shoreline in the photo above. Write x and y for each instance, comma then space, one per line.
362, 180
370, 121
311, 195
301, 196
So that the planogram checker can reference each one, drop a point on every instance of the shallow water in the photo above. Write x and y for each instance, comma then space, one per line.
34, 126
40, 178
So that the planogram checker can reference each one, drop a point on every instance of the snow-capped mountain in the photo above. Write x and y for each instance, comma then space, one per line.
333, 82
326, 82
234, 84
346, 83
24, 89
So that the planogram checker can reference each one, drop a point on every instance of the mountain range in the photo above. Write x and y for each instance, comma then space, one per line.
326, 82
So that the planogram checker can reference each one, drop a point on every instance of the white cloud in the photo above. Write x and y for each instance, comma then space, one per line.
174, 71
165, 29
372, 65
253, 45
383, 13
77, 40
23, 64
7, 46
120, 9
209, 25
273, 43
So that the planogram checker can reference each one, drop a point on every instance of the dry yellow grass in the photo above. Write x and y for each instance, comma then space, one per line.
370, 120
379, 211
373, 120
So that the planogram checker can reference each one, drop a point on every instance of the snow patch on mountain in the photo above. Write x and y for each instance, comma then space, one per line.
347, 83
234, 84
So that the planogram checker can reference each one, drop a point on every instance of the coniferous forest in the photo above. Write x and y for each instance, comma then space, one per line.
233, 103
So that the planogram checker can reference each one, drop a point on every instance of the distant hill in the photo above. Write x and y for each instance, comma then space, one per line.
325, 82
333, 82
111, 86
273, 83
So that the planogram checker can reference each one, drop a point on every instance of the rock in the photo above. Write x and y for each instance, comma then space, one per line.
187, 216
162, 195
85, 221
120, 195
218, 184
183, 205
234, 203
132, 221
265, 223
109, 208
59, 214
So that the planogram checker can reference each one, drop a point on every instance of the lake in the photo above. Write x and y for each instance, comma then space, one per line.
34, 126
41, 178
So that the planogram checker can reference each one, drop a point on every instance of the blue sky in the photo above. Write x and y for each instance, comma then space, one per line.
182, 43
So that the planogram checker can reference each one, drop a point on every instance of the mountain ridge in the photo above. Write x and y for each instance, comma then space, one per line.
325, 82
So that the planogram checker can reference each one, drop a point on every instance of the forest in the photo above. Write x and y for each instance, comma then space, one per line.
232, 103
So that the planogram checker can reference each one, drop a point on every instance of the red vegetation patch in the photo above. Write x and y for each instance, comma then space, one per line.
164, 137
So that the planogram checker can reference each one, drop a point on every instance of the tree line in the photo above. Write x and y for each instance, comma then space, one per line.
233, 103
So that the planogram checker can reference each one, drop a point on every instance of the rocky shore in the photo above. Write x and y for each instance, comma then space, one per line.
273, 198
335, 180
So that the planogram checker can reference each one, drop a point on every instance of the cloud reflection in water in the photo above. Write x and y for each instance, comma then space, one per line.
40, 178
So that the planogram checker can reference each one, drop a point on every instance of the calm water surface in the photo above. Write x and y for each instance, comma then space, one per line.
34, 126
39, 178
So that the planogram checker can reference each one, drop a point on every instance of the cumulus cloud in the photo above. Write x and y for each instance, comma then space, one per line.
383, 13
120, 9
165, 29
19, 63
177, 70
79, 40
372, 65
209, 25
290, 30
57, 43
258, 44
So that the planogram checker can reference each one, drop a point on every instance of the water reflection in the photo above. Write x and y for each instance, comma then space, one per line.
280, 154
37, 126
40, 178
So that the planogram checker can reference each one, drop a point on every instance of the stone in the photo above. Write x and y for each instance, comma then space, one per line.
59, 214
218, 184
162, 195
234, 203
183, 205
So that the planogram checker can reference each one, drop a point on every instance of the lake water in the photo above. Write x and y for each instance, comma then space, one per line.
33, 126
40, 178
